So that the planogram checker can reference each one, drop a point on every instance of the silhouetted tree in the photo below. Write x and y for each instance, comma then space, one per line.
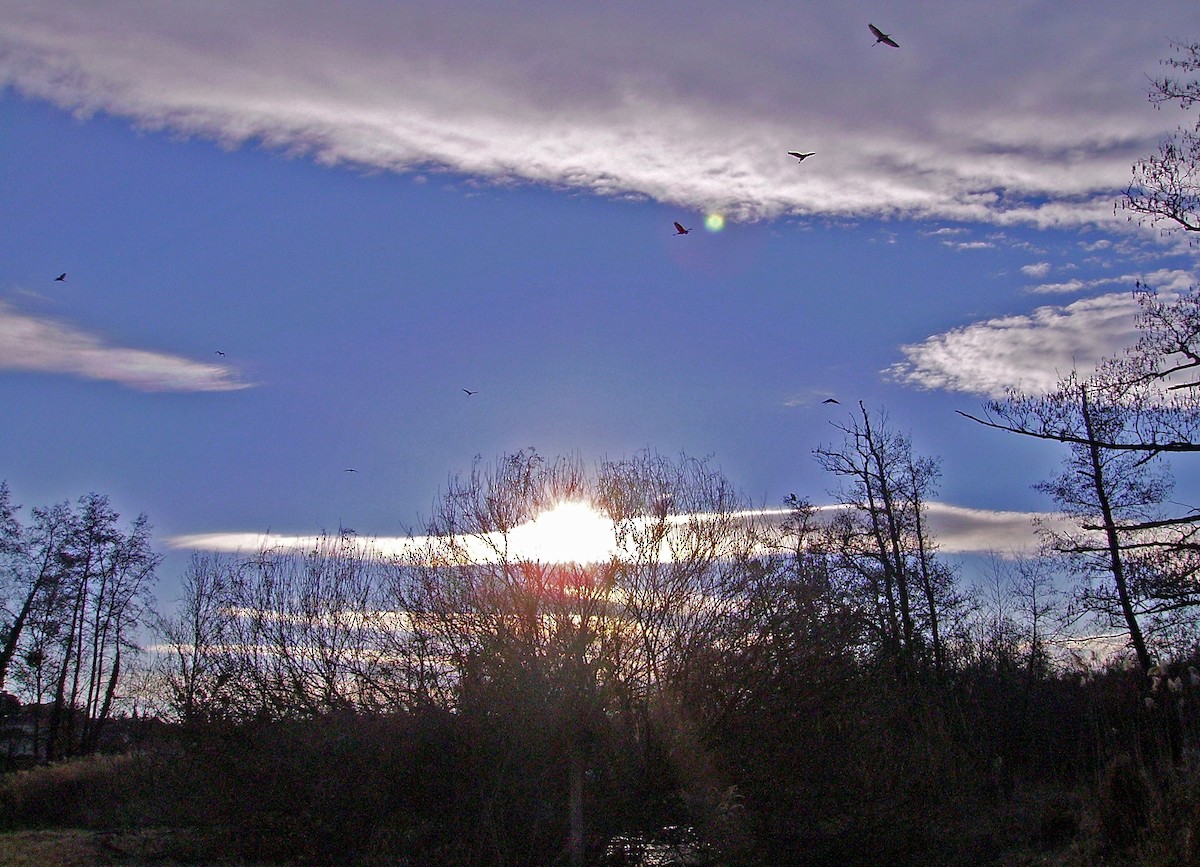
1166, 187
883, 538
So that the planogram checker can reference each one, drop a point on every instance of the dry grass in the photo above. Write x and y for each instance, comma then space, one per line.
74, 847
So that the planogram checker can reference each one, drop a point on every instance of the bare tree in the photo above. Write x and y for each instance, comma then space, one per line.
569, 646
1133, 560
1166, 186
193, 661
883, 538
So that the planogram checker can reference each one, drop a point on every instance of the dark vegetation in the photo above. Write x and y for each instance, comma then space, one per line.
721, 688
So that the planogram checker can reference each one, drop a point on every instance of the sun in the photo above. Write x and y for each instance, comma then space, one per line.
714, 222
572, 532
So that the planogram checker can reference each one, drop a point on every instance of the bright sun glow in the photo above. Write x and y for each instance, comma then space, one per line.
714, 222
571, 532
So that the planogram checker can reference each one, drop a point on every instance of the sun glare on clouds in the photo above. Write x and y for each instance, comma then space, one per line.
571, 532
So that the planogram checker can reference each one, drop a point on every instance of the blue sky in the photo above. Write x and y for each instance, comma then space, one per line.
371, 208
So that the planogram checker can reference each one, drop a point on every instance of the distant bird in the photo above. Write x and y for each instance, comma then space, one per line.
219, 352
469, 392
61, 278
350, 470
799, 156
880, 36
831, 400
679, 230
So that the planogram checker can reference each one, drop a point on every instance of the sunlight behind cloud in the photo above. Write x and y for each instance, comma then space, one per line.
576, 533
571, 532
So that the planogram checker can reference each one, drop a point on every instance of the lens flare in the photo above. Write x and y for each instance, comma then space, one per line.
714, 222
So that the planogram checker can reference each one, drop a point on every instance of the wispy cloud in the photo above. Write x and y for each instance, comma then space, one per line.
958, 530
1037, 269
1038, 124
33, 343
1064, 288
1030, 352
1070, 286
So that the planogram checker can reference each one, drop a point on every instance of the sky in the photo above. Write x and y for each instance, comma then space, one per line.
294, 232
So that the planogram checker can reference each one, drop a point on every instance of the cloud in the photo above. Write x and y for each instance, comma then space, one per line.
32, 343
957, 529
1038, 269
1030, 353
961, 530
1059, 288
1077, 285
969, 245
1038, 124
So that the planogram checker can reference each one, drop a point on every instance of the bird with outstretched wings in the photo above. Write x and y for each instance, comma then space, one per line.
880, 36
679, 230
800, 156
61, 278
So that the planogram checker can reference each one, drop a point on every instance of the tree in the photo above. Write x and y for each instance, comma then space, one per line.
566, 658
196, 641
883, 539
79, 586
1114, 485
1166, 187
108, 581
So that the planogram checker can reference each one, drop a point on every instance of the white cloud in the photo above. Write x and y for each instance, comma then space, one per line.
1038, 269
1077, 285
43, 345
960, 530
1058, 288
1038, 112
1030, 352
969, 245
957, 529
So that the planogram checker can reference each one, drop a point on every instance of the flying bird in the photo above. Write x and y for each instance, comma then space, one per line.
799, 156
880, 36
61, 278
219, 352
350, 470
679, 230
469, 392
831, 400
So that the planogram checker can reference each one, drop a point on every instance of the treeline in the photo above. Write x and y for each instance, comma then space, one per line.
817, 689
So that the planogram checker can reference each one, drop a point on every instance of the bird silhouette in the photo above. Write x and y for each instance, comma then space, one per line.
61, 278
349, 470
831, 400
679, 230
469, 392
219, 352
799, 156
880, 36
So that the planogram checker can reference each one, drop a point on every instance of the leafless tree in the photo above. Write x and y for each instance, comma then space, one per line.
882, 537
1166, 186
